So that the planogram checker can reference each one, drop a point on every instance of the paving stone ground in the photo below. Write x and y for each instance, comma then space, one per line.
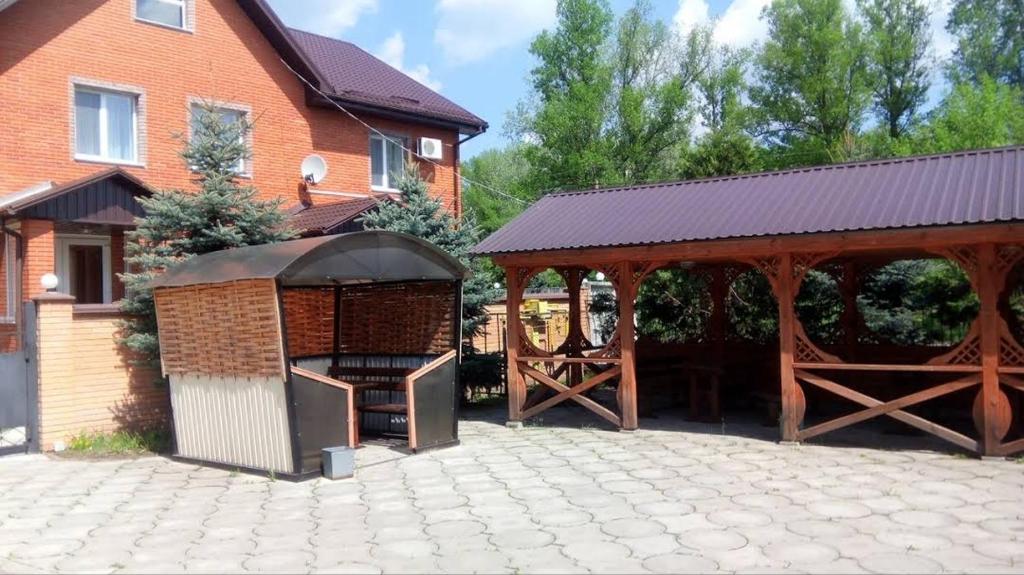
560, 498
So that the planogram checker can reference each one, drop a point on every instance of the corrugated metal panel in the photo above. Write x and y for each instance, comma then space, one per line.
982, 186
232, 420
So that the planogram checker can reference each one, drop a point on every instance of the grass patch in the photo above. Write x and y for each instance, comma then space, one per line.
119, 443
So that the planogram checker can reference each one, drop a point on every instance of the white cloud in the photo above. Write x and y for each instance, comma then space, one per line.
472, 30
334, 17
691, 13
741, 25
943, 43
392, 51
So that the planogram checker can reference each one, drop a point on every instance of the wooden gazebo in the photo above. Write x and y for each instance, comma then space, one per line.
277, 351
966, 207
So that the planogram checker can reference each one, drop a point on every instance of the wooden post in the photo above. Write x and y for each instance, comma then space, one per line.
574, 348
992, 425
516, 384
792, 397
627, 396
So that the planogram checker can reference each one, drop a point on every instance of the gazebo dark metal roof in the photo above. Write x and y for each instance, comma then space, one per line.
359, 257
983, 186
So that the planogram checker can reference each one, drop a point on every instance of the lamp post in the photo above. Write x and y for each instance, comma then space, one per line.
49, 281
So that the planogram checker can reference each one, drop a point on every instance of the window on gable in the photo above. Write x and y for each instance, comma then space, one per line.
227, 116
165, 12
105, 125
387, 161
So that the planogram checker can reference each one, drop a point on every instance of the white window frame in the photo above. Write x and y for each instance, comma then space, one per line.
387, 187
181, 4
104, 133
11, 277
63, 261
243, 111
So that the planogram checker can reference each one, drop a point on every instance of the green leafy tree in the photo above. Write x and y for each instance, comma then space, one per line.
572, 88
975, 116
179, 224
811, 79
505, 170
898, 42
425, 217
653, 78
726, 148
990, 40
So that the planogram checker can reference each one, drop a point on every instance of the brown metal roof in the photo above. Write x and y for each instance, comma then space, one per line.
358, 77
105, 197
980, 186
324, 218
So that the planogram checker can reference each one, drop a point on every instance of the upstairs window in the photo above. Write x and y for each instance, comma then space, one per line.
387, 161
169, 13
105, 126
228, 116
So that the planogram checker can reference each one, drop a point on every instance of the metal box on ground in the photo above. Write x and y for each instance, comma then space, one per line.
339, 462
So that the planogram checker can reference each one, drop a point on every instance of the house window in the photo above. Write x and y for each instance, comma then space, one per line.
10, 268
105, 125
164, 12
387, 161
83, 268
227, 116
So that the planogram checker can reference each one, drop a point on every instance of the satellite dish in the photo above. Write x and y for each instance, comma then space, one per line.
314, 168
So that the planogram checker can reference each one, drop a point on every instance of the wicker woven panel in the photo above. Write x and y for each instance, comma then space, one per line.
221, 329
385, 319
309, 320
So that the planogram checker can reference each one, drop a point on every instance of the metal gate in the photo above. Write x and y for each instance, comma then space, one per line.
18, 400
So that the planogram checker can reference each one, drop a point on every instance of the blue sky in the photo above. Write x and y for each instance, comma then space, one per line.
475, 51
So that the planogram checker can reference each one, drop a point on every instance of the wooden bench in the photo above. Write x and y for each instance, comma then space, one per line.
390, 379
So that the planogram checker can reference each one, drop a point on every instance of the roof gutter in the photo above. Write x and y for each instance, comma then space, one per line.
392, 114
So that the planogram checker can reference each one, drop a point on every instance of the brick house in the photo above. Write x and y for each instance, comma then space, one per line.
97, 95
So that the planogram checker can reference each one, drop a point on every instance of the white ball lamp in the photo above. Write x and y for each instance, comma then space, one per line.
49, 281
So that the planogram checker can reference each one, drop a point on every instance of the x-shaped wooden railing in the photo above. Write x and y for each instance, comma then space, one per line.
892, 408
574, 393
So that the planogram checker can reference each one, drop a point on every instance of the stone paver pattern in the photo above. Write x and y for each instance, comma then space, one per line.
557, 499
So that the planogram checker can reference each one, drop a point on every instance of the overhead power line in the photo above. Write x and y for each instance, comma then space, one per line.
398, 142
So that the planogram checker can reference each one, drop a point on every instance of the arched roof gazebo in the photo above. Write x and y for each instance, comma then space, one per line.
967, 207
272, 351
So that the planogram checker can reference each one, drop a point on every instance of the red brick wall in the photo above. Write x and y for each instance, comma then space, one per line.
39, 255
44, 43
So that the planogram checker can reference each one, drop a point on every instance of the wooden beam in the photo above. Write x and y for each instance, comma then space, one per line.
993, 425
1011, 447
914, 239
557, 359
889, 406
792, 396
516, 384
925, 368
571, 392
627, 347
908, 418
1012, 381
584, 401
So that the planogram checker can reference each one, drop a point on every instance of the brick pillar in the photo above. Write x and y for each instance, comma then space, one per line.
39, 256
116, 263
56, 366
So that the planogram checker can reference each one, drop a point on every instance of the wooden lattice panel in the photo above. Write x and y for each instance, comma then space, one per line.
229, 328
1010, 352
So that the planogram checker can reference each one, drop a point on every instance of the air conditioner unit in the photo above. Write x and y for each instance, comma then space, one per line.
430, 148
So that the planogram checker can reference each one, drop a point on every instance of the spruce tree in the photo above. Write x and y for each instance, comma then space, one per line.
425, 217
223, 213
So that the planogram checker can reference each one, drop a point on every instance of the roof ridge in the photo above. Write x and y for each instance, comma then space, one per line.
767, 173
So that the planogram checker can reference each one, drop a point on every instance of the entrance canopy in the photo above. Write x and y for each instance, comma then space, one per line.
844, 220
358, 257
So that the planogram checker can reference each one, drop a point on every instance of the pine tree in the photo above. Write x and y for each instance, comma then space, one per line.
178, 224
422, 216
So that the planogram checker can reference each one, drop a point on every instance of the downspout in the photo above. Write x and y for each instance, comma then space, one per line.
458, 171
